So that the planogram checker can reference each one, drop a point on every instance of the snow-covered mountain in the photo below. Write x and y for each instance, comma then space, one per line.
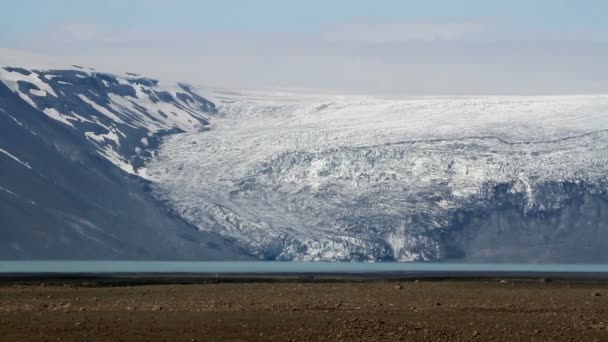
295, 176
124, 117
330, 178
73, 144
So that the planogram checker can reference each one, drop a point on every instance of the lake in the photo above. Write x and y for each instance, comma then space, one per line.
227, 267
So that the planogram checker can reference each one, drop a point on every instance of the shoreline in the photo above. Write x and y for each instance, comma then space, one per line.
161, 278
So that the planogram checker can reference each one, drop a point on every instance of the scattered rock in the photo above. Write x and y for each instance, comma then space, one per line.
360, 312
598, 326
398, 287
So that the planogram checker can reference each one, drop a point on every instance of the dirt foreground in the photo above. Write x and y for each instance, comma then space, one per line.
341, 311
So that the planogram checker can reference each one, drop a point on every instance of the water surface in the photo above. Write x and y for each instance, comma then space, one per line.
286, 267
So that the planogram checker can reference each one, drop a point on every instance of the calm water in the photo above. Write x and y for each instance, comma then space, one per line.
281, 267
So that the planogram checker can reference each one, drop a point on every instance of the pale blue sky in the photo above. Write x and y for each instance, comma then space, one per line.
23, 16
382, 46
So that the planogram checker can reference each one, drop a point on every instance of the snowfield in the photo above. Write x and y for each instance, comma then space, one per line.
337, 178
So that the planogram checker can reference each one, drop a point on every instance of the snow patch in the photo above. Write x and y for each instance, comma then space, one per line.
36, 92
7, 191
100, 109
103, 138
15, 158
55, 115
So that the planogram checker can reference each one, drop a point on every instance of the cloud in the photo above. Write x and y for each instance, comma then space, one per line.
79, 33
369, 32
396, 59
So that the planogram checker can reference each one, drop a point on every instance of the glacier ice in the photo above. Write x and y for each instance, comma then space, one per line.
336, 178
303, 176
312, 178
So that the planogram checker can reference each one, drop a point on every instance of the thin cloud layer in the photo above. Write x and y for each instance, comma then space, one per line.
395, 59
378, 33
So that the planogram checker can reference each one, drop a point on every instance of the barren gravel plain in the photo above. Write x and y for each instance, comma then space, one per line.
481, 310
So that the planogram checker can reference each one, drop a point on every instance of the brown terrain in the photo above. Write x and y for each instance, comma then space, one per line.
292, 311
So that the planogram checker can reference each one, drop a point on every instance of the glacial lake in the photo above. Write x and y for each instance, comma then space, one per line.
169, 267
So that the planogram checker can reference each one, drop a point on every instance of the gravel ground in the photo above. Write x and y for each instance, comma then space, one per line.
379, 311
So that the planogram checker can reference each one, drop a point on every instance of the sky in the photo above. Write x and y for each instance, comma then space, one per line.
382, 47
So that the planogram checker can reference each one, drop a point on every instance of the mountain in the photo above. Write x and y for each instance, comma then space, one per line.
339, 178
72, 184
100, 166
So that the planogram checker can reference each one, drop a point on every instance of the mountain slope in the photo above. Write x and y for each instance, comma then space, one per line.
67, 145
123, 117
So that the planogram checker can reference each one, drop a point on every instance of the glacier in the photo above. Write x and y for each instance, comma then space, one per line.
320, 177
304, 176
